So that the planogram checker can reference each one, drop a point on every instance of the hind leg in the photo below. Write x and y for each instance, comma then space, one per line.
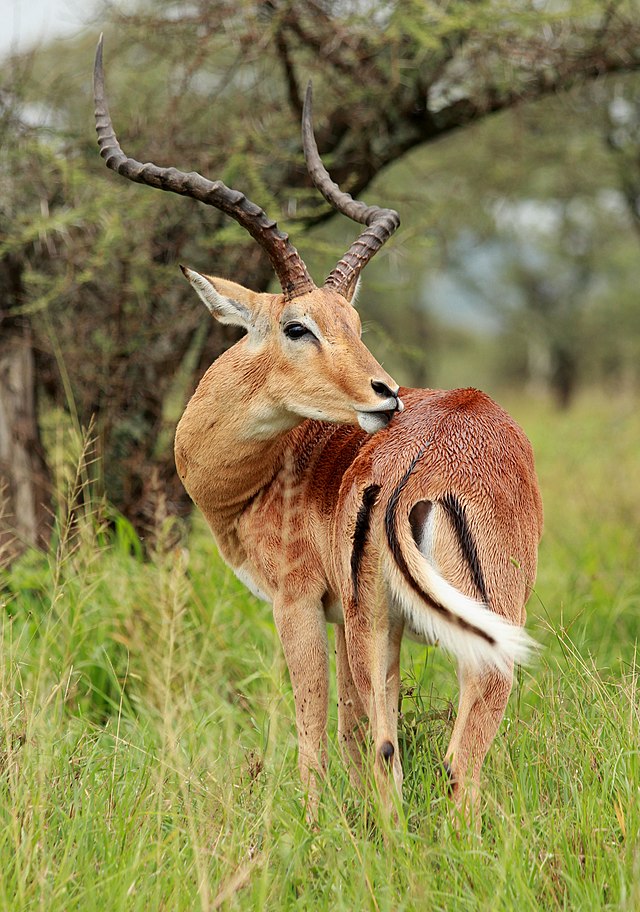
373, 644
481, 707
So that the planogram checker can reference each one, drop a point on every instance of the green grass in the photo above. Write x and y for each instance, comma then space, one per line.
147, 743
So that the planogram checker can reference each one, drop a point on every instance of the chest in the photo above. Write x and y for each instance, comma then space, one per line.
281, 535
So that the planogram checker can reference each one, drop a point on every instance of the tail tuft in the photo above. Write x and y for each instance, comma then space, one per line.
439, 613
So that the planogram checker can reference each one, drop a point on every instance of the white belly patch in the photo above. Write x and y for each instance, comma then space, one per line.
245, 576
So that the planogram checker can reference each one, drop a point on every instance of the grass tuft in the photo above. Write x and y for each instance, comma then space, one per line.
147, 742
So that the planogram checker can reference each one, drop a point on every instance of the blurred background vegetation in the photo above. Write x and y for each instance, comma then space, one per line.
147, 749
506, 134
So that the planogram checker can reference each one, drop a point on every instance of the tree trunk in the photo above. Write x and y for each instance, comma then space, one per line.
564, 376
24, 479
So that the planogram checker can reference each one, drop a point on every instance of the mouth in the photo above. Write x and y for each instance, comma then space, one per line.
372, 420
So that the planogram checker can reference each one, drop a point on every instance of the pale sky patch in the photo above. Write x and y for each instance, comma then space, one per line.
25, 24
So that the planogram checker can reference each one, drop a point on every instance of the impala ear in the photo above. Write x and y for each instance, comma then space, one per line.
227, 301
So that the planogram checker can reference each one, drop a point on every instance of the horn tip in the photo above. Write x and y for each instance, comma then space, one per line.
98, 75
308, 97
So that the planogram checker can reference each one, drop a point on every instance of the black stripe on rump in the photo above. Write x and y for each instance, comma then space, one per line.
361, 531
398, 556
458, 516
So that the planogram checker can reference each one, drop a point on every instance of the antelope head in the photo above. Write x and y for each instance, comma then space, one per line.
304, 345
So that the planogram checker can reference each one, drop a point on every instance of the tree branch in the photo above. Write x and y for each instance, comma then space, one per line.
293, 89
413, 117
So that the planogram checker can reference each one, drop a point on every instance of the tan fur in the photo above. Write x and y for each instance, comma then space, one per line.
282, 495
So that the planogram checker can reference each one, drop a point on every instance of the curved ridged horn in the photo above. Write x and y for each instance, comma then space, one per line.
381, 223
286, 261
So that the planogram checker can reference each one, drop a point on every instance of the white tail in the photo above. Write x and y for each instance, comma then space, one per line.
478, 638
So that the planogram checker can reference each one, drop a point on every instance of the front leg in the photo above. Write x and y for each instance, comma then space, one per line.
302, 629
351, 714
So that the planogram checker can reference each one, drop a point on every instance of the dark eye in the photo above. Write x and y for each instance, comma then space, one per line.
297, 331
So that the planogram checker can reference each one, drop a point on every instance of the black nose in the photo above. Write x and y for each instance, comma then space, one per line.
383, 390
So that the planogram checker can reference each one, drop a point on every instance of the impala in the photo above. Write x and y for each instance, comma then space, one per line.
340, 498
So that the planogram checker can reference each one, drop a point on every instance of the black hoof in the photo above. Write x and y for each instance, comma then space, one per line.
386, 752
451, 779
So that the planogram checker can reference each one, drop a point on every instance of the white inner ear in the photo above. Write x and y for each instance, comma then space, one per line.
224, 309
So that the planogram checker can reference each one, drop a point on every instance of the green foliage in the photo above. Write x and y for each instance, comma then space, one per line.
216, 88
147, 747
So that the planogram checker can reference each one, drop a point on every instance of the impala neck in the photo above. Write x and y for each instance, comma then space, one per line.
232, 436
